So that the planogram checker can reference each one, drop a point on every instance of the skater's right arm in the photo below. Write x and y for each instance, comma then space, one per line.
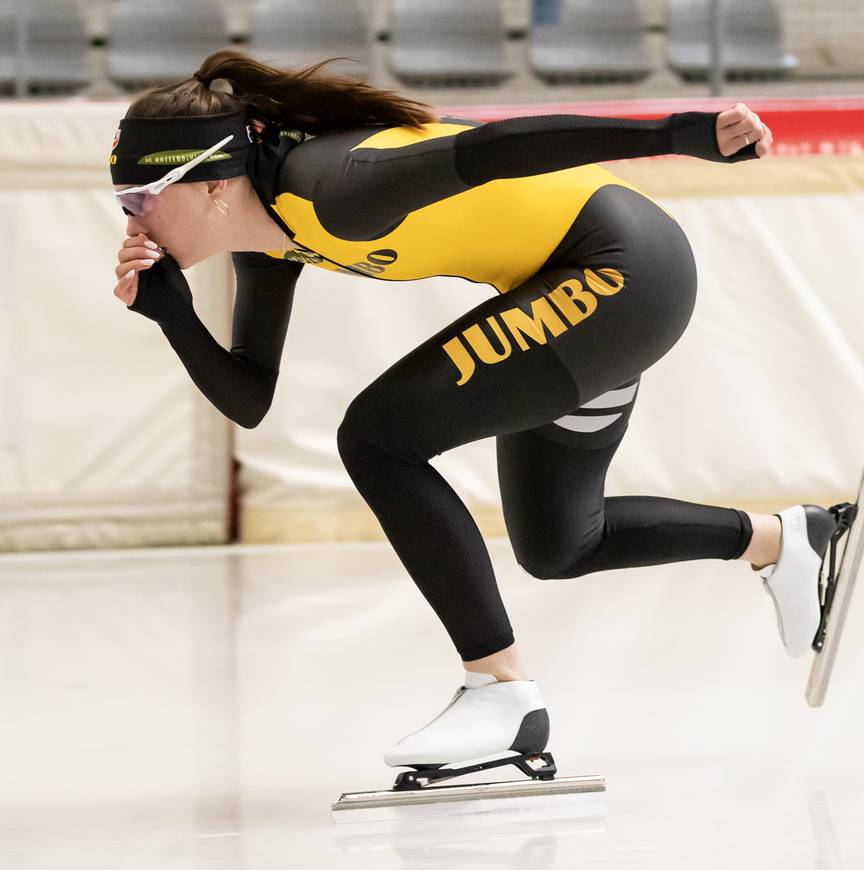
239, 382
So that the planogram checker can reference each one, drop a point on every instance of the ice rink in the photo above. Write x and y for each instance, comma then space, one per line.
203, 707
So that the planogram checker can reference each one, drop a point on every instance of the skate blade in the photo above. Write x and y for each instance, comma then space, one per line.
847, 573
572, 796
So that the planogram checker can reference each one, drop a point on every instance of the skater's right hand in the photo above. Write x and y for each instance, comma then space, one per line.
137, 253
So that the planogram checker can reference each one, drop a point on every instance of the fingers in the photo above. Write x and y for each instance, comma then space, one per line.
138, 248
127, 273
136, 254
763, 146
734, 115
127, 287
739, 127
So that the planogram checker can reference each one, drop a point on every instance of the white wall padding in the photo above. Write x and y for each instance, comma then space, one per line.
104, 439
760, 404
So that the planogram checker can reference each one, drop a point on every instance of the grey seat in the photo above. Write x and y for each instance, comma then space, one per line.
8, 42
441, 42
752, 39
298, 33
590, 40
55, 39
161, 40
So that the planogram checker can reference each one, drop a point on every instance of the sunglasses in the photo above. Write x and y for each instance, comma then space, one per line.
132, 199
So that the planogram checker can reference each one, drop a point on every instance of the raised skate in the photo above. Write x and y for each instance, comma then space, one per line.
793, 581
835, 594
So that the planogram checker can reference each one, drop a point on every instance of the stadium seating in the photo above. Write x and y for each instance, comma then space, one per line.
752, 41
448, 42
56, 44
298, 33
590, 40
162, 39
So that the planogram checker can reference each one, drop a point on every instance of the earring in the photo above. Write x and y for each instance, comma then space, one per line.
221, 205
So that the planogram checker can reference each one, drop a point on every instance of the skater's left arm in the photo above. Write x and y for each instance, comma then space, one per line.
532, 145
373, 187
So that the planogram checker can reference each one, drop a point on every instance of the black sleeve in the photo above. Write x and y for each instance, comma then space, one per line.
239, 382
376, 187
517, 147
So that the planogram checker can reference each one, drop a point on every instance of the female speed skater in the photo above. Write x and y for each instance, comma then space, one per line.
595, 283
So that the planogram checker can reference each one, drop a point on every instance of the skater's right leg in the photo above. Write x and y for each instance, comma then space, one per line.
562, 525
764, 547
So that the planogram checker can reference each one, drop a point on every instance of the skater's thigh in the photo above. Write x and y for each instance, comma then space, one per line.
526, 357
469, 381
552, 480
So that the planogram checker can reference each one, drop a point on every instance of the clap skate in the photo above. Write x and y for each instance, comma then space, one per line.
490, 723
835, 594
793, 581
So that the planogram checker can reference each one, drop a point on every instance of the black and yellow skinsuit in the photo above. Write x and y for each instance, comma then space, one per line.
595, 282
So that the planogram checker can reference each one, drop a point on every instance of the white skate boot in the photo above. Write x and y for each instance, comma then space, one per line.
495, 724
793, 582
486, 720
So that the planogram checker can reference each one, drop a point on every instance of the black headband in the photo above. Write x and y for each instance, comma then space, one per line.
145, 149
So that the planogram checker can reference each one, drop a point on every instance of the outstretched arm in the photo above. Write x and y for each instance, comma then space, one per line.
375, 186
532, 145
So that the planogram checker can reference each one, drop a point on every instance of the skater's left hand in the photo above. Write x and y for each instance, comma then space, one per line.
739, 127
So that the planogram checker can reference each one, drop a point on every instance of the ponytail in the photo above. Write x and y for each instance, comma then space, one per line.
302, 99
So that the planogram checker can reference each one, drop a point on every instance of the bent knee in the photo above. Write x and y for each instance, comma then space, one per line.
350, 446
547, 565
374, 421
545, 569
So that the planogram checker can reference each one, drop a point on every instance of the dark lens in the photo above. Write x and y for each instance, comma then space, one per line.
132, 203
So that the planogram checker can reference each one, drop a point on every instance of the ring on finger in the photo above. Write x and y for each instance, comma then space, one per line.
746, 140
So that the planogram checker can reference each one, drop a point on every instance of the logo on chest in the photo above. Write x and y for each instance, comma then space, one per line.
375, 263
302, 256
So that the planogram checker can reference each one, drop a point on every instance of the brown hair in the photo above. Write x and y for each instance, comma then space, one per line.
302, 99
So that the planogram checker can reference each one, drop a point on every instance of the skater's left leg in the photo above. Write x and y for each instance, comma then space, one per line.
513, 364
504, 665
416, 410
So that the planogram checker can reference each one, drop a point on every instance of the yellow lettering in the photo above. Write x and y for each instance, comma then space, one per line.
483, 347
572, 300
542, 316
460, 356
602, 287
566, 295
